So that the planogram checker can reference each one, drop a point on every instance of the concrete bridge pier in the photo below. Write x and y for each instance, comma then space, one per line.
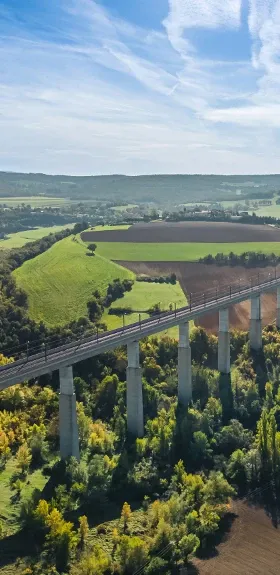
224, 342
256, 324
278, 309
184, 365
68, 425
134, 392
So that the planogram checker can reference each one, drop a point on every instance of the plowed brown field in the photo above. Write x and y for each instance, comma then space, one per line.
199, 232
195, 277
252, 546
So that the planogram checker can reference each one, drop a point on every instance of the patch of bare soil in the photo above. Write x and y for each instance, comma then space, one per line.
199, 232
199, 278
252, 546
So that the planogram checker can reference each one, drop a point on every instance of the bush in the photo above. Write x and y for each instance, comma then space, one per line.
157, 279
157, 566
120, 311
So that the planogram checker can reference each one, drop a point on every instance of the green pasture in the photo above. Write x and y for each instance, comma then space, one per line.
178, 252
142, 297
59, 282
33, 201
272, 211
19, 239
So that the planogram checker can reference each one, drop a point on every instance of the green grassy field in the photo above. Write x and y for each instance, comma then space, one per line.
21, 238
9, 511
142, 297
273, 211
152, 252
60, 281
33, 201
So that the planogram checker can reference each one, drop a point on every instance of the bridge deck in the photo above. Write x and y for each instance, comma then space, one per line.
42, 363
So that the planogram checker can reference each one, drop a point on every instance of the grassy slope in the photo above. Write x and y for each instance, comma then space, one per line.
21, 238
152, 252
143, 296
60, 281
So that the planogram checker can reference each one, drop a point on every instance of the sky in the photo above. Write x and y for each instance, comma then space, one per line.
140, 86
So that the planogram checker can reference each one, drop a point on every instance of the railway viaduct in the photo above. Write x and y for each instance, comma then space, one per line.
63, 357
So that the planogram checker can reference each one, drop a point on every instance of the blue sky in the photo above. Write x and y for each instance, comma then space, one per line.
140, 86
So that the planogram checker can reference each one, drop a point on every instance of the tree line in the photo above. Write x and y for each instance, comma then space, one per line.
98, 303
169, 279
246, 259
25, 218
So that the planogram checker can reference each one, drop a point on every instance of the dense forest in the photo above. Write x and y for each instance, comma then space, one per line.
148, 504
157, 189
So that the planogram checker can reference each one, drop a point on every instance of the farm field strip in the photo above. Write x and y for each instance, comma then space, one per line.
178, 252
33, 201
124, 208
186, 232
107, 228
19, 239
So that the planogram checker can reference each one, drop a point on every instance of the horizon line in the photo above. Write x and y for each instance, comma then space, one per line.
164, 174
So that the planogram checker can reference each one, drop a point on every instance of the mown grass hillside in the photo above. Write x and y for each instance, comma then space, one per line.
178, 252
60, 281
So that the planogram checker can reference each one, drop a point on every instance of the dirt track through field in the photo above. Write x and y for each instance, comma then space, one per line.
252, 547
199, 232
195, 277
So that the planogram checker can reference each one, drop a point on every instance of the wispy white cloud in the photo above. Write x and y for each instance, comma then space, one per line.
97, 94
186, 14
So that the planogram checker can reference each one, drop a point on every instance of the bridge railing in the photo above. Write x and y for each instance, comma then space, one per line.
50, 345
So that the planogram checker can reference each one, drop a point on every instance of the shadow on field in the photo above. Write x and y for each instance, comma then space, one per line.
16, 546
221, 536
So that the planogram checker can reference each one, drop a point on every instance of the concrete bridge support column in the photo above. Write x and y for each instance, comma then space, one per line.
224, 342
278, 309
134, 393
256, 324
68, 425
184, 365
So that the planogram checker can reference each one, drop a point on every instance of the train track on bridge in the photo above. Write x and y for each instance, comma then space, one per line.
34, 362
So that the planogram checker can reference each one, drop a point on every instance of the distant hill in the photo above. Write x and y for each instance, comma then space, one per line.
161, 189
